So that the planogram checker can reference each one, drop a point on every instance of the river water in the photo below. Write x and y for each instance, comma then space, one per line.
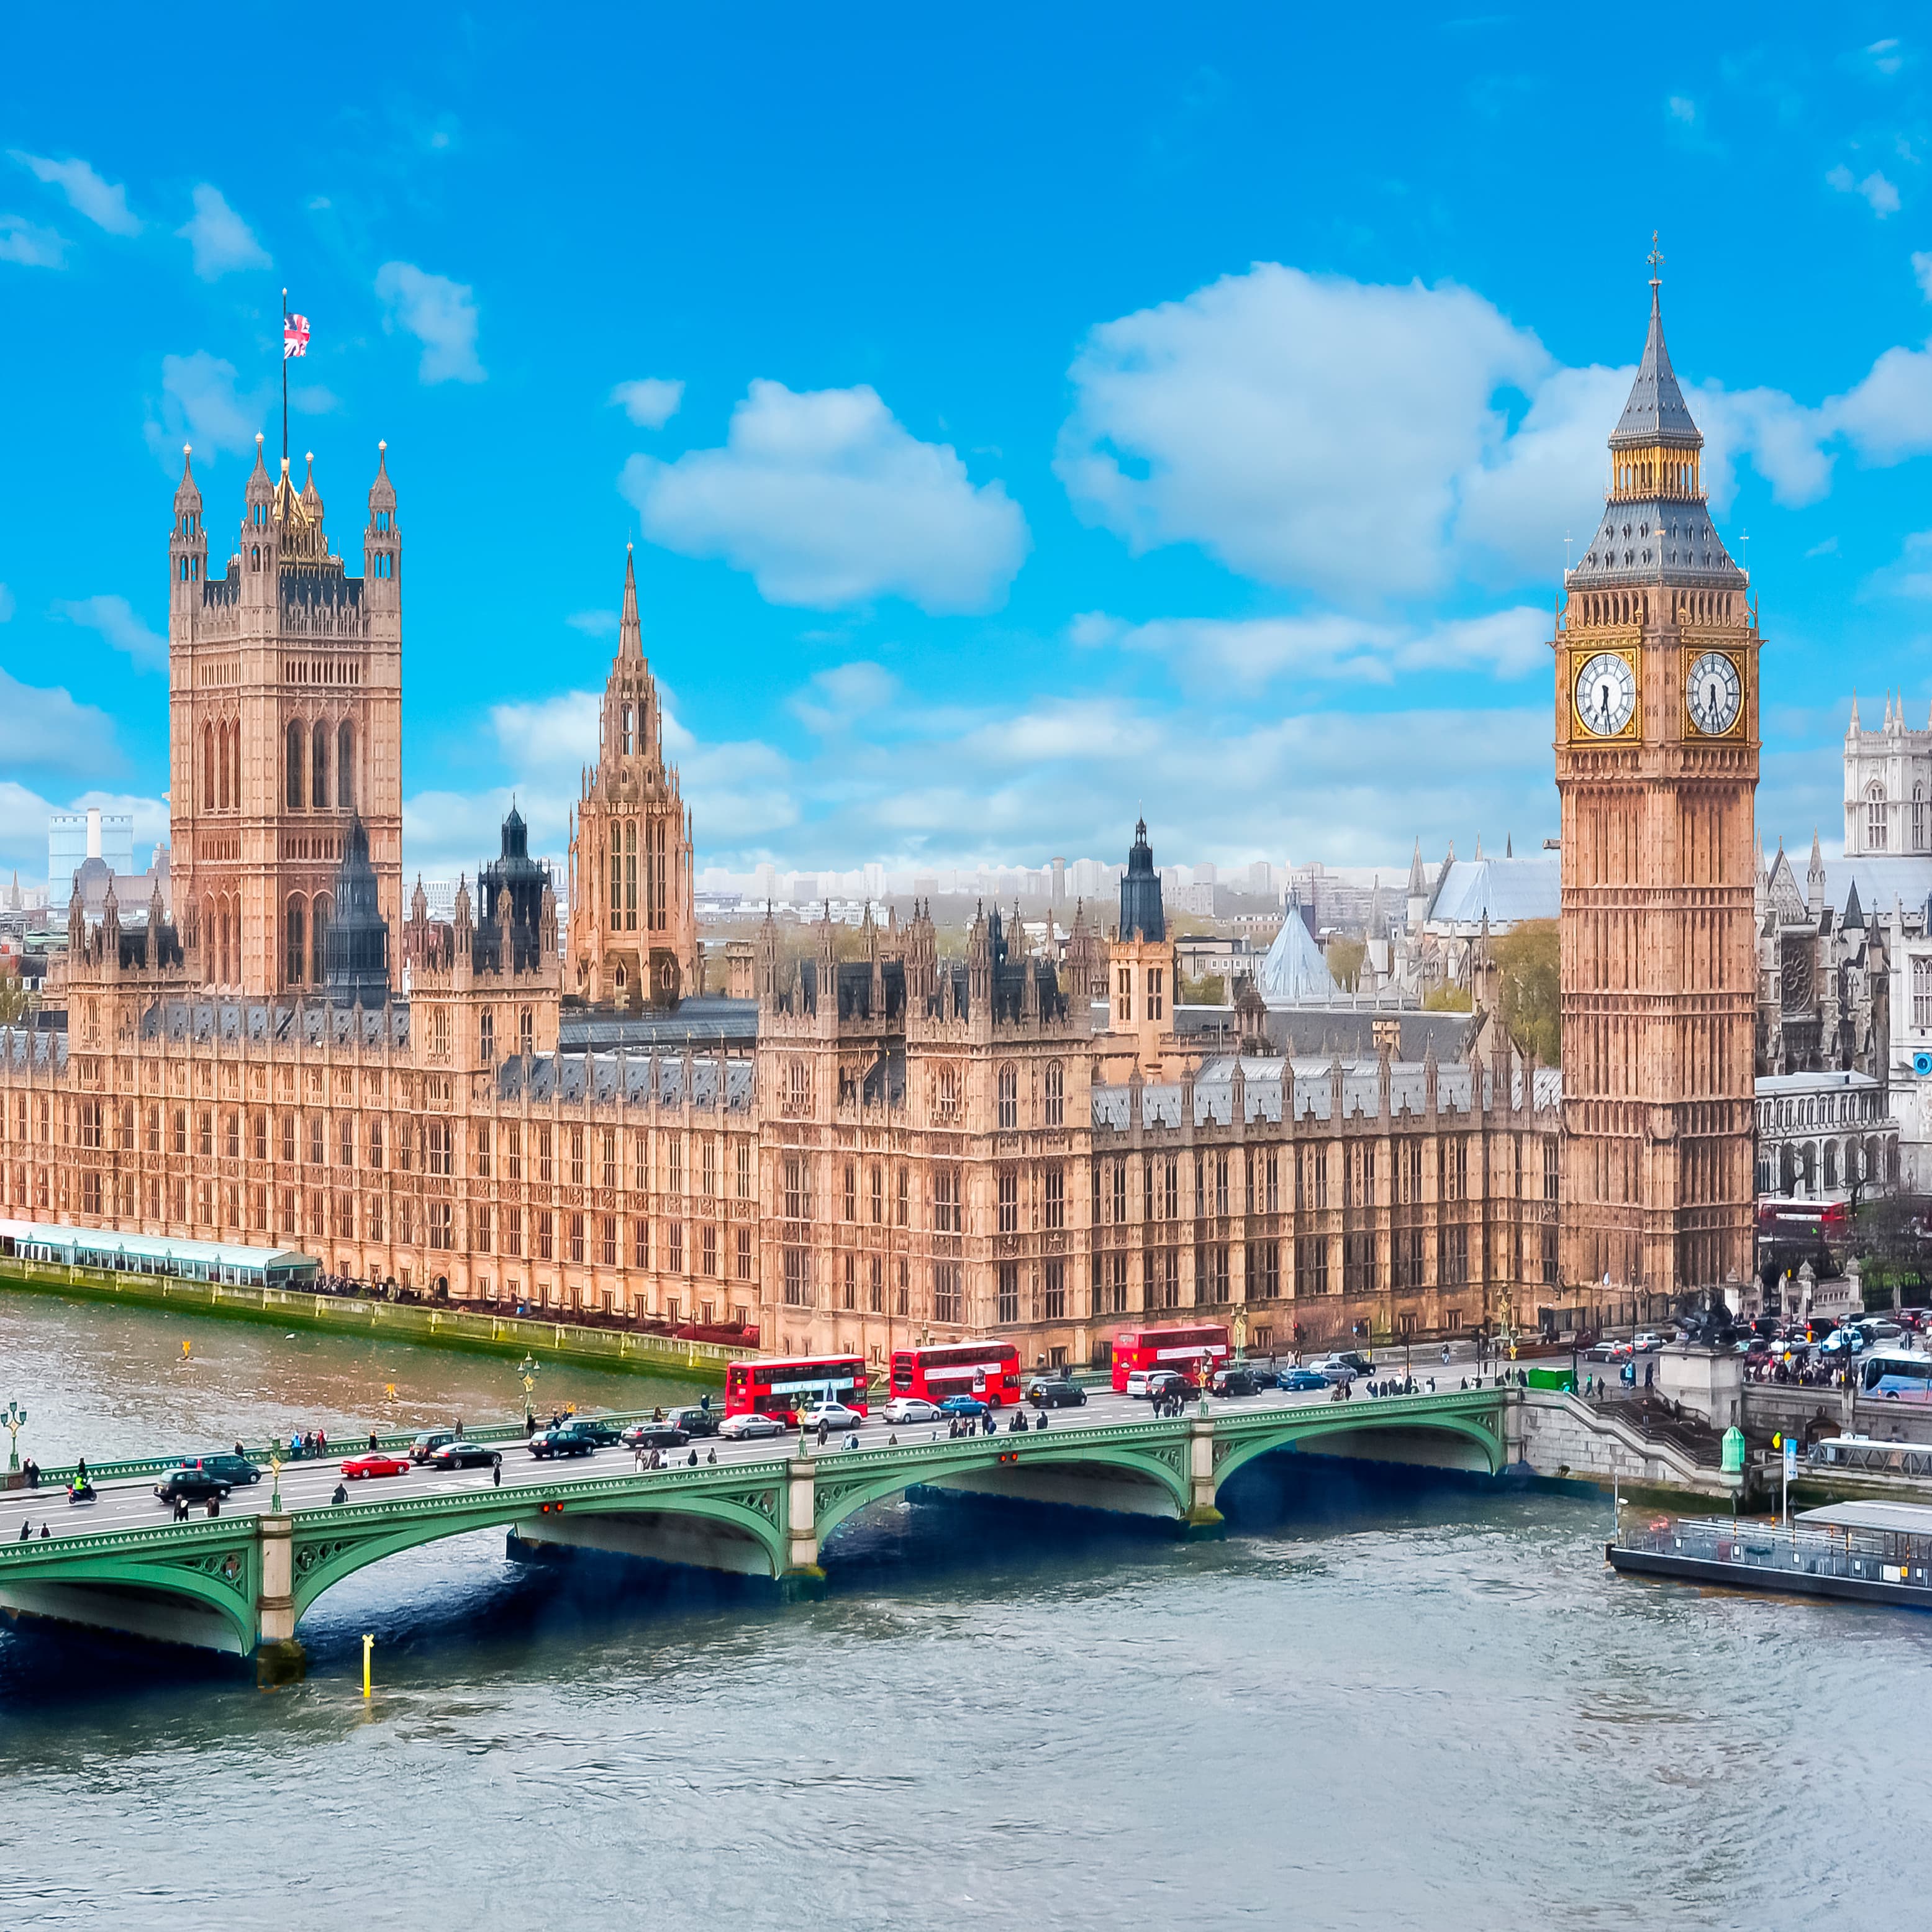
1385, 1700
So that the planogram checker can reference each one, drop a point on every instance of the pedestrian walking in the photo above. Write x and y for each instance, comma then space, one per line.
496, 1472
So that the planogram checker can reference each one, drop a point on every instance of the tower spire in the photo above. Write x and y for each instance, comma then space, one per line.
630, 632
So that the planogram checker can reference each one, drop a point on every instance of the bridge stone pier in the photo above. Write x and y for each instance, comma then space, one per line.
241, 1583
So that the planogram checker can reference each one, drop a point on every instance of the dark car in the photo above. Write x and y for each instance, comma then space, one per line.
1055, 1392
603, 1432
1236, 1381
232, 1469
1355, 1359
655, 1435
1165, 1385
458, 1454
191, 1484
428, 1441
1301, 1381
696, 1421
566, 1439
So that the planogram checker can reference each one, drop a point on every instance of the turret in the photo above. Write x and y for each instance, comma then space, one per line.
260, 539
382, 542
188, 545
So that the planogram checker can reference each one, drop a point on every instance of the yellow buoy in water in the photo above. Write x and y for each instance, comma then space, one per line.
186, 1346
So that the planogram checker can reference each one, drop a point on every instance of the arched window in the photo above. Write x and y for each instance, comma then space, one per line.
318, 790
208, 767
628, 740
1056, 1094
295, 753
1009, 1096
1875, 816
223, 746
298, 942
630, 875
1919, 818
526, 1032
345, 766
235, 763
319, 925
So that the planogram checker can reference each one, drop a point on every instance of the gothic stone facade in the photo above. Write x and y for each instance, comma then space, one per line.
877, 1147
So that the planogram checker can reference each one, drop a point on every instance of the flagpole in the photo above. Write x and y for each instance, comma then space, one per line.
285, 380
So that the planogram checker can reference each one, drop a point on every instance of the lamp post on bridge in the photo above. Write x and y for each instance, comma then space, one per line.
527, 1375
15, 1416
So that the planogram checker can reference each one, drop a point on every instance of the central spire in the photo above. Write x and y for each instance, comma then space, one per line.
630, 632
1656, 412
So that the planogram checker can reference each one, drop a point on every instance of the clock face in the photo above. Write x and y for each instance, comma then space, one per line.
1606, 694
1714, 694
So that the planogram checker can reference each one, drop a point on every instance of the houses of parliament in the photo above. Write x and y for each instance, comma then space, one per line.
866, 1145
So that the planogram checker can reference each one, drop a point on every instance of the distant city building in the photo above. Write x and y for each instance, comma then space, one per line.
75, 836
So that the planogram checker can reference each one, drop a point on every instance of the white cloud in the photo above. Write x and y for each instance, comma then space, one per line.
833, 698
826, 499
440, 313
1888, 415
1922, 268
1683, 109
220, 238
44, 727
1348, 439
200, 404
114, 618
594, 623
29, 246
650, 402
1885, 57
103, 203
551, 736
1304, 430
1910, 573
1251, 651
1880, 195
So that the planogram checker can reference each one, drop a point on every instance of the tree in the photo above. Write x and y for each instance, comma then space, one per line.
1345, 962
15, 1001
1447, 998
1529, 973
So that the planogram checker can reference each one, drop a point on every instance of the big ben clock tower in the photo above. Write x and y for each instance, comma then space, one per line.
1656, 756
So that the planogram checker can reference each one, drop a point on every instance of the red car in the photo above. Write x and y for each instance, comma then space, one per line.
376, 1463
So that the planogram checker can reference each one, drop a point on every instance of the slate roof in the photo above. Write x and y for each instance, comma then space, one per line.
598, 1076
1310, 1082
1505, 891
1656, 412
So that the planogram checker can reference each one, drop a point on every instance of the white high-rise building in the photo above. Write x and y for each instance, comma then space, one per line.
74, 837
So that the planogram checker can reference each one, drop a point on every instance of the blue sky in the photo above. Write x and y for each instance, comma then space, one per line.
1025, 416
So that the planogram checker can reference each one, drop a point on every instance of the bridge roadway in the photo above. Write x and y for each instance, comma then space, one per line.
240, 1582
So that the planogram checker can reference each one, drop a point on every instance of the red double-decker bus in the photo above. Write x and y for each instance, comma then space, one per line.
782, 1385
1185, 1348
991, 1370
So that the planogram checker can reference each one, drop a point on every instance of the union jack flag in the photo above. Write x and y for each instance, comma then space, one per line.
295, 336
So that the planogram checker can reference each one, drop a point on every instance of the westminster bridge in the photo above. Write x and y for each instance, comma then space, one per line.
240, 1582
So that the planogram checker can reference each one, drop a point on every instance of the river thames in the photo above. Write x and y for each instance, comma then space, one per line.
1384, 1700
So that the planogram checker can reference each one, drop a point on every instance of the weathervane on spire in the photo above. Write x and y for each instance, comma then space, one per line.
1655, 258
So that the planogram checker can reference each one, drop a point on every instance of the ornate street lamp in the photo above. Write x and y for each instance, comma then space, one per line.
15, 1416
527, 1374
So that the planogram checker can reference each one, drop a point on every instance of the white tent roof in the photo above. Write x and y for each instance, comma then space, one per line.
1294, 974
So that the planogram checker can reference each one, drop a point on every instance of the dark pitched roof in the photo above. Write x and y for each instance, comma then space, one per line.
1656, 411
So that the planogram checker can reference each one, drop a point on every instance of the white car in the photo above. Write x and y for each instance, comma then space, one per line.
834, 1416
1646, 1342
749, 1427
912, 1409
